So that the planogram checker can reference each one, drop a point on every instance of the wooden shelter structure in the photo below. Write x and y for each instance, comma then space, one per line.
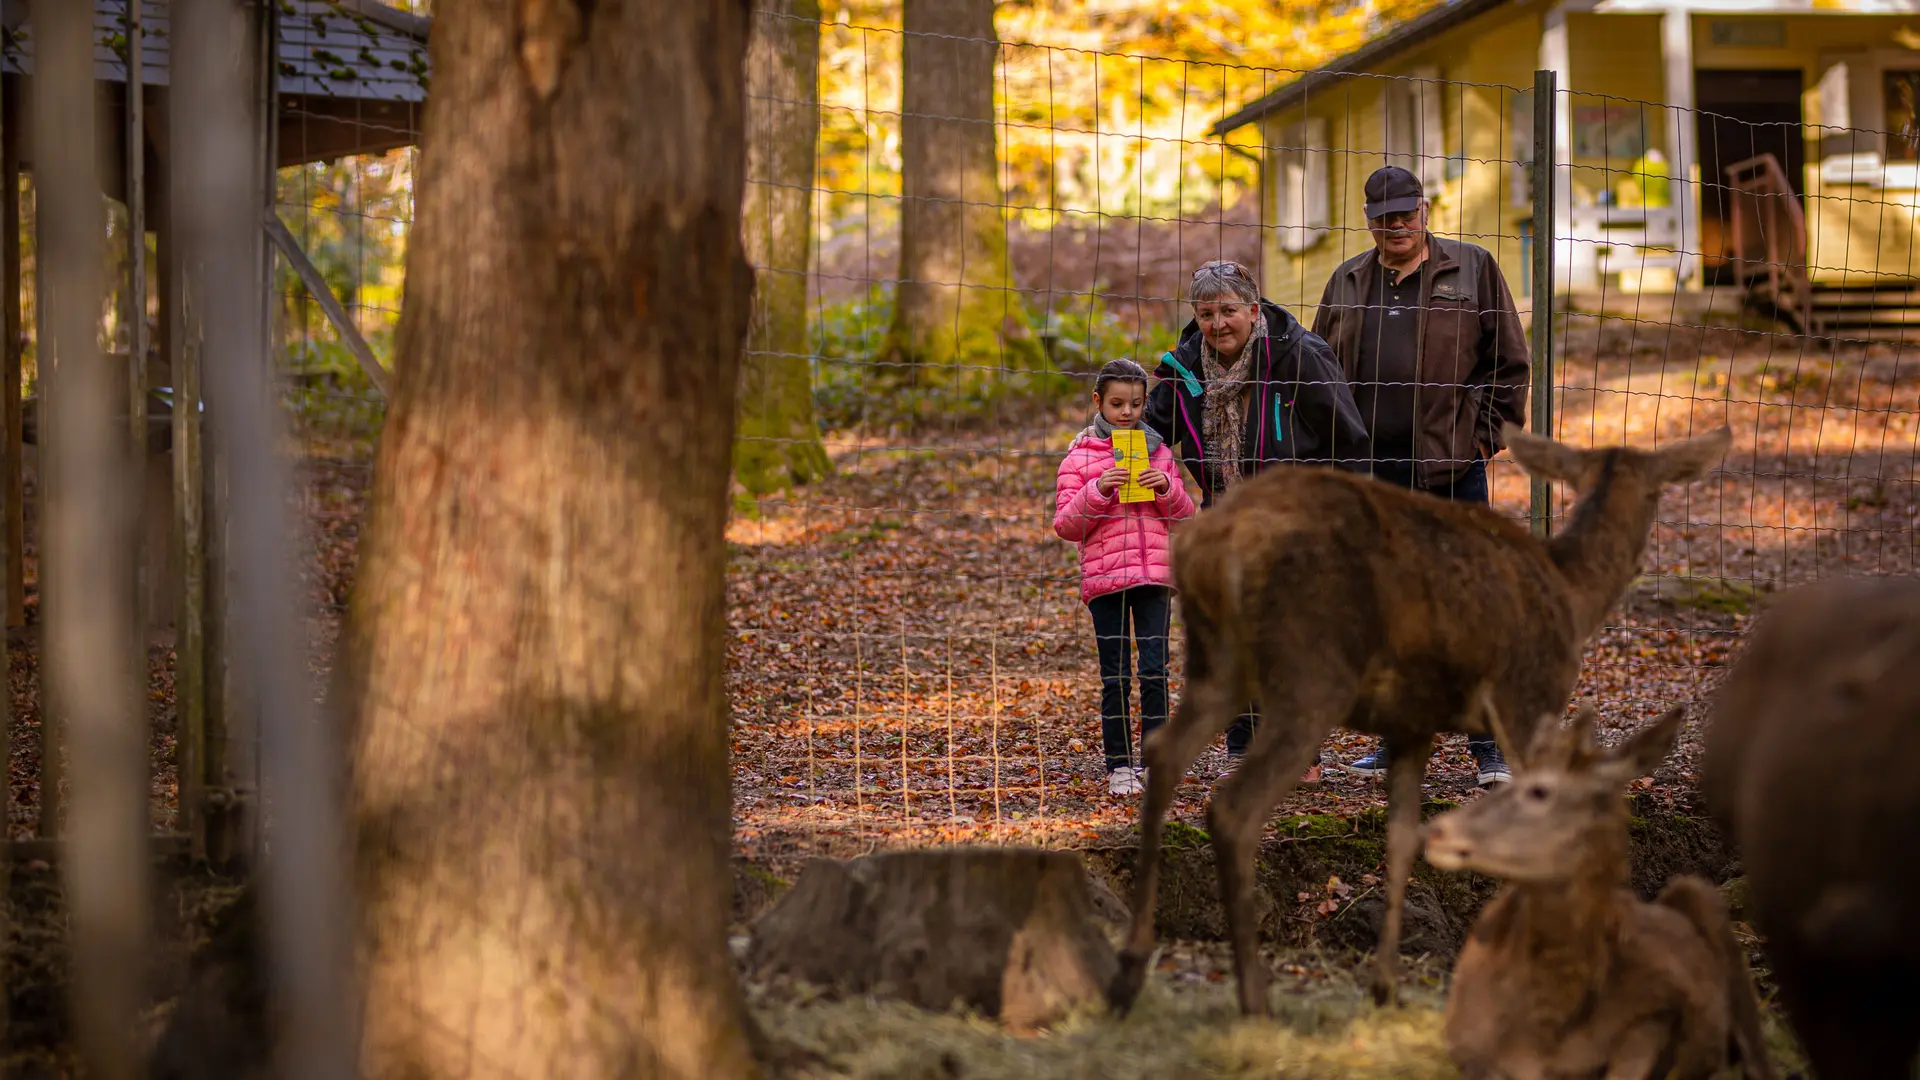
328, 78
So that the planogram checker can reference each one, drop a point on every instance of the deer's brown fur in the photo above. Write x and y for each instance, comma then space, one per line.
1812, 768
1567, 974
1337, 600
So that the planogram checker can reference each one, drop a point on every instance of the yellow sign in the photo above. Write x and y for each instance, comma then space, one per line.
1130, 453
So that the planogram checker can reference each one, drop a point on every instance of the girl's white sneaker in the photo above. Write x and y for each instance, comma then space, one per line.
1127, 781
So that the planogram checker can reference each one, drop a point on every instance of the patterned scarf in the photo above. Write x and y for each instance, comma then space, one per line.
1224, 411
1102, 428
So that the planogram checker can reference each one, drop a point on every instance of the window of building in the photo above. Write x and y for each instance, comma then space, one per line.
1412, 127
1301, 211
1520, 146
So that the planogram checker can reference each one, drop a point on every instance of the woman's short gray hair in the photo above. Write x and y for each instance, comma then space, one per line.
1223, 279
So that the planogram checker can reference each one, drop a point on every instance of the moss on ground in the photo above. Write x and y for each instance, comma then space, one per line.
1717, 597
755, 889
1322, 883
1179, 836
1185, 1026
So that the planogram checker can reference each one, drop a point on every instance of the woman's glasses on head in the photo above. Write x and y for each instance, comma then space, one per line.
1223, 268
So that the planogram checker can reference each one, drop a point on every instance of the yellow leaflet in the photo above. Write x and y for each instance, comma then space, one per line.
1130, 453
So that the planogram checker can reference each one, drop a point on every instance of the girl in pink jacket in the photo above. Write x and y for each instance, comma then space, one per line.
1126, 569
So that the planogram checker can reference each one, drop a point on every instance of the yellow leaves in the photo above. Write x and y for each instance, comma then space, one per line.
1103, 107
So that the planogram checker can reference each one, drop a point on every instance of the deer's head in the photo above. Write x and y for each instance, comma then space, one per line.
1640, 474
1563, 816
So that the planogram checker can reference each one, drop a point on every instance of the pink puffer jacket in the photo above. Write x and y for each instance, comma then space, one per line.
1121, 544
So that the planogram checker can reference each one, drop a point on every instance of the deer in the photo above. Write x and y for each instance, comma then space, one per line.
1809, 768
1567, 973
1334, 599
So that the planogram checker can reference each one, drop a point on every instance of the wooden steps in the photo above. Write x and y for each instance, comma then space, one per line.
1871, 311
1767, 251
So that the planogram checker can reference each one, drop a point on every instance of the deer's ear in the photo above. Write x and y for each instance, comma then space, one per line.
1550, 744
1543, 457
1580, 746
1689, 461
1647, 748
1863, 671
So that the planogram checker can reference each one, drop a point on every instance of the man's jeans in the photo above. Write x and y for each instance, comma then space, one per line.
1469, 486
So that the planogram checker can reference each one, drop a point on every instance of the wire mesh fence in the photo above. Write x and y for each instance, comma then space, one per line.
910, 655
911, 659
951, 235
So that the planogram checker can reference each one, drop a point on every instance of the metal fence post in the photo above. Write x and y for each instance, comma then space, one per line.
1545, 86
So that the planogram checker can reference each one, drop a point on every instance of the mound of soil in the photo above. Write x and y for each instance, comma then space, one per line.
1322, 878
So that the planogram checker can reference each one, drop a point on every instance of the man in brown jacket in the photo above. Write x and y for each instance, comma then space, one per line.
1426, 331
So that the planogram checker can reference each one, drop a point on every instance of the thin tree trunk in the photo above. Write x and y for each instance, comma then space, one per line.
13, 488
778, 444
541, 781
87, 550
189, 538
11, 463
954, 304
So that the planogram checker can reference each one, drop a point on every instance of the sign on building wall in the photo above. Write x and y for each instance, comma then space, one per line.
1617, 131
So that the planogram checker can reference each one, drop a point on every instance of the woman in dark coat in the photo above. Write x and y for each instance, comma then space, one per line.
1248, 387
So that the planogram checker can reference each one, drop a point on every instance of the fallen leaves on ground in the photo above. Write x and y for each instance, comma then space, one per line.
909, 662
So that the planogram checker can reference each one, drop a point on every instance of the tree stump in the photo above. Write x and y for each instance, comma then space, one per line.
1009, 932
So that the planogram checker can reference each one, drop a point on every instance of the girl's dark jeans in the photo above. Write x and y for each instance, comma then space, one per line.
1148, 608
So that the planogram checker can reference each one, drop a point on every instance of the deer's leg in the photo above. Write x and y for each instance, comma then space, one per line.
1282, 748
1302, 697
1705, 1024
1405, 771
1208, 706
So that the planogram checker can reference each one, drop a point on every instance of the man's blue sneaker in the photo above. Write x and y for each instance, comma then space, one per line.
1491, 766
1374, 764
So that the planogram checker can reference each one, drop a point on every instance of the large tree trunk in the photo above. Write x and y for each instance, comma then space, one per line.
778, 443
953, 305
541, 781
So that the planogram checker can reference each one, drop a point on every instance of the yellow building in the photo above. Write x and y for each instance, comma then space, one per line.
1657, 101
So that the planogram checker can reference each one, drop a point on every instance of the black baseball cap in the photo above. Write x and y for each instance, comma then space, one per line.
1392, 190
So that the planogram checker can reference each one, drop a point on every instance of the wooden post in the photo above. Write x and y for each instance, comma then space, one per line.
11, 455
145, 560
223, 806
322, 294
178, 337
47, 823
1545, 90
232, 699
180, 344
14, 492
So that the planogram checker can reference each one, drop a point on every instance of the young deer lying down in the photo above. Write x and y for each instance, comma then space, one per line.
1567, 973
1337, 600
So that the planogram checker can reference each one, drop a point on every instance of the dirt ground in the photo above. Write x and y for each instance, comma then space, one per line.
910, 661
